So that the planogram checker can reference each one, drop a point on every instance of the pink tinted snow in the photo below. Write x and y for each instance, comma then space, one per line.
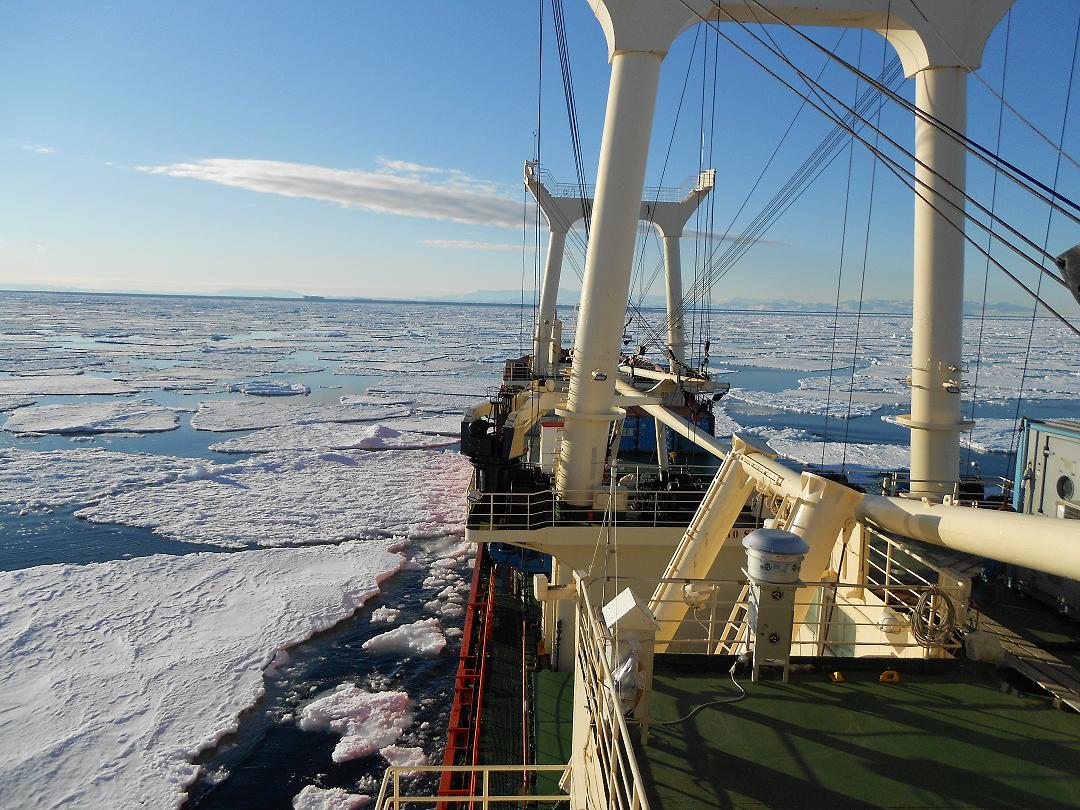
366, 721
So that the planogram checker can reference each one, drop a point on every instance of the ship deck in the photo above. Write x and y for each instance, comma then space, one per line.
951, 734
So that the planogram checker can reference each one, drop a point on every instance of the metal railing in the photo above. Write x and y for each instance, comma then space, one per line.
724, 623
528, 511
616, 782
397, 793
648, 194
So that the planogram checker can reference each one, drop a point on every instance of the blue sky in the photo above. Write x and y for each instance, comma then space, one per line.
342, 148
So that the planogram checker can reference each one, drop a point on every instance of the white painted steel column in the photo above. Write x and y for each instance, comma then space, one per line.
938, 297
548, 297
673, 271
606, 287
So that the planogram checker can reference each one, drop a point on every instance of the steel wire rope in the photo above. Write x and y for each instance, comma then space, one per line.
1000, 96
840, 270
571, 107
990, 239
973, 146
812, 168
897, 169
818, 90
1013, 440
865, 257
667, 158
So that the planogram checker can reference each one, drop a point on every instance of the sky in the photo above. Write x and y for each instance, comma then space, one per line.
372, 149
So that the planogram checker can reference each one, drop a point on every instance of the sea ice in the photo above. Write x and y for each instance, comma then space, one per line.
991, 436
385, 614
317, 798
798, 401
279, 499
366, 721
329, 436
805, 448
11, 402
400, 756
219, 415
270, 388
68, 384
422, 637
118, 416
31, 480
114, 676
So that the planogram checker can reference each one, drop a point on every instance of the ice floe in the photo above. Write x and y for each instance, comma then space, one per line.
11, 402
329, 436
63, 384
991, 436
317, 798
366, 721
32, 480
270, 388
798, 401
806, 448
402, 756
220, 415
385, 614
115, 675
118, 416
322, 497
423, 637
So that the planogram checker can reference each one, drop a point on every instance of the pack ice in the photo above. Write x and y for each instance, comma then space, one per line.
279, 499
329, 436
98, 417
113, 676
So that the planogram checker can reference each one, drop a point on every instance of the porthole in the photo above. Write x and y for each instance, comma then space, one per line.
1065, 488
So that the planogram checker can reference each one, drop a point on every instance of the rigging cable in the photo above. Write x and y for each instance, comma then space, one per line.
1015, 173
1059, 148
898, 170
1049, 222
571, 109
990, 238
840, 269
895, 166
866, 254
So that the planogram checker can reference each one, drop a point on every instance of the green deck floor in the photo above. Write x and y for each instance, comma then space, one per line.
554, 718
956, 737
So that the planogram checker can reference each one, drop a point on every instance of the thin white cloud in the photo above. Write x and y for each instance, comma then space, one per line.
461, 244
398, 187
38, 149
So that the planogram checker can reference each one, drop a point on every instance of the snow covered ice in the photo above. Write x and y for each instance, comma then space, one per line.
98, 417
62, 384
278, 499
30, 480
366, 721
317, 798
114, 675
220, 415
330, 436
270, 388
423, 637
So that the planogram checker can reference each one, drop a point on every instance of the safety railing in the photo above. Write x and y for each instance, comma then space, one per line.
529, 511
402, 788
717, 623
610, 770
648, 194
